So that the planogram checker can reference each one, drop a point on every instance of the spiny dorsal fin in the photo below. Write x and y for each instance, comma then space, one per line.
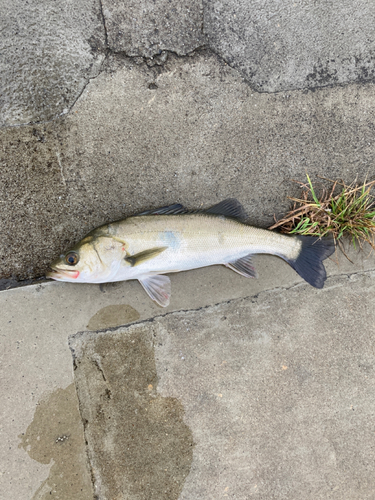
243, 266
175, 209
158, 288
138, 258
229, 208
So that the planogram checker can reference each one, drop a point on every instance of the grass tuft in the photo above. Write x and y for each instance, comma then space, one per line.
342, 210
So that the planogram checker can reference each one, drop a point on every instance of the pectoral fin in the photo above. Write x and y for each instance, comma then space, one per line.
244, 267
138, 258
158, 288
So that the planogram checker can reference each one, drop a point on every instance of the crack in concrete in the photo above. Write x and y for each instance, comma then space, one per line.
157, 61
100, 70
104, 24
156, 57
100, 369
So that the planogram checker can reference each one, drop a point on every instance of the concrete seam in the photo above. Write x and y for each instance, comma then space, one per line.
253, 298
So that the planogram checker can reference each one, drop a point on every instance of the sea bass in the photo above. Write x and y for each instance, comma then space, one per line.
173, 239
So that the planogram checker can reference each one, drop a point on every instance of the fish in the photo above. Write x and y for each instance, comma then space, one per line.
151, 244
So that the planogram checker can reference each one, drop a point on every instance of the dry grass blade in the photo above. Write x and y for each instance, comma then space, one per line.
343, 210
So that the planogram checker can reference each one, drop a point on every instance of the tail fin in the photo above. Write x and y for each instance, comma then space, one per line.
309, 263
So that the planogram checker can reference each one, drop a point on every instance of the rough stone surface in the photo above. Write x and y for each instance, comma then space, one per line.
48, 51
290, 45
278, 396
146, 28
191, 132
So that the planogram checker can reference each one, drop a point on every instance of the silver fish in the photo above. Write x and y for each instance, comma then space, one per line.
172, 239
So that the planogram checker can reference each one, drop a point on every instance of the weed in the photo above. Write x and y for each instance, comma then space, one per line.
343, 210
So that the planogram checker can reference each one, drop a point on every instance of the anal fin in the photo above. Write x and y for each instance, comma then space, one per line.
243, 266
158, 288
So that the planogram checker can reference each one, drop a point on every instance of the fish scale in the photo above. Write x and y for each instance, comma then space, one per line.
203, 238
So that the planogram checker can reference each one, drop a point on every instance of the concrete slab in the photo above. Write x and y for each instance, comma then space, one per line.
49, 50
42, 444
145, 28
275, 389
190, 132
283, 46
39, 406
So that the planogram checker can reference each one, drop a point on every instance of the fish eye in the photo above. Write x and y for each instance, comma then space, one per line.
71, 258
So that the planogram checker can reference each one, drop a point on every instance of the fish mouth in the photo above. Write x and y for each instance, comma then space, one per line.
62, 274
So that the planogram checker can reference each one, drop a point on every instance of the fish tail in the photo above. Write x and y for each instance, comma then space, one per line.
309, 263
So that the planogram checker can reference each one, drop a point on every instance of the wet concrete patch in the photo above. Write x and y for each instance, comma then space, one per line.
138, 444
56, 434
112, 316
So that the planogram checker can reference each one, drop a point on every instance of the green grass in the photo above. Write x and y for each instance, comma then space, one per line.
343, 210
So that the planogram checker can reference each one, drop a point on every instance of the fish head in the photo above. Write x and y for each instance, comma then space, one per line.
95, 259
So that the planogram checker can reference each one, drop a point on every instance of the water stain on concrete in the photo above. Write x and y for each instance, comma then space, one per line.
56, 433
112, 316
138, 444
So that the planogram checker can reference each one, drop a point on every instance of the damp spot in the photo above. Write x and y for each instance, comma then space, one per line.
112, 316
138, 443
56, 436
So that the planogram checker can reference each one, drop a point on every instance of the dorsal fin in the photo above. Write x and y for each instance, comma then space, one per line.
175, 209
229, 208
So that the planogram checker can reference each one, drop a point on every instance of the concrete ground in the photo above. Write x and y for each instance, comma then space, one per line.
267, 394
240, 388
